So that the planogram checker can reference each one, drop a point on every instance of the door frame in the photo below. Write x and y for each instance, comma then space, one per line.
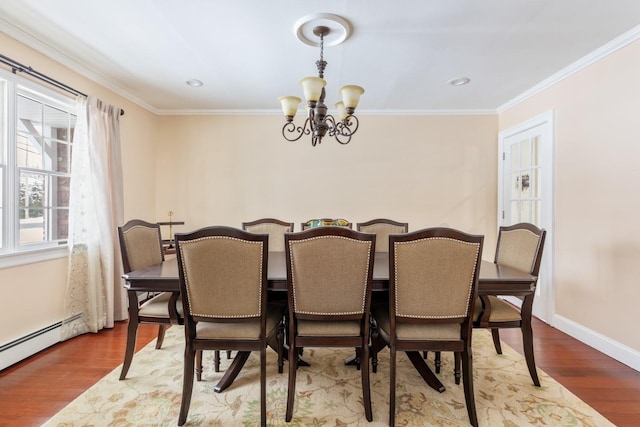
546, 309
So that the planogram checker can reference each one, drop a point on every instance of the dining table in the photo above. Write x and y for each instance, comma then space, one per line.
494, 279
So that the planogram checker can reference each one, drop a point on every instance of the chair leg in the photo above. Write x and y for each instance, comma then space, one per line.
132, 331
280, 346
527, 344
496, 340
291, 389
160, 340
467, 374
216, 360
366, 387
263, 386
424, 354
187, 385
375, 349
199, 365
228, 354
438, 361
456, 369
392, 386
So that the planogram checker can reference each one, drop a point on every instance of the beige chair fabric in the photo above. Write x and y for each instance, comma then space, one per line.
382, 227
518, 249
142, 246
223, 281
275, 228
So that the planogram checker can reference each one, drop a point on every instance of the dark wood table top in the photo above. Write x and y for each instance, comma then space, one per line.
494, 279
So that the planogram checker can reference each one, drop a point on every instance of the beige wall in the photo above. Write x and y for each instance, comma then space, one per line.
36, 291
597, 171
425, 170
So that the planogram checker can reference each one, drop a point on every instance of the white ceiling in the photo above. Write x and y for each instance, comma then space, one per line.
246, 53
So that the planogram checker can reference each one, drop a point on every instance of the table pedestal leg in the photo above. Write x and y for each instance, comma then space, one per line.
233, 371
424, 371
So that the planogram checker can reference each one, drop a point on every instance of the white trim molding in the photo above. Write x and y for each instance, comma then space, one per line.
611, 348
595, 56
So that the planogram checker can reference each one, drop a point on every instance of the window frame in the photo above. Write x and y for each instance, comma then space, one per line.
12, 253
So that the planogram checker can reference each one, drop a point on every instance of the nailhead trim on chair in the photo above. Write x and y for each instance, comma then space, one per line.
182, 244
365, 279
395, 263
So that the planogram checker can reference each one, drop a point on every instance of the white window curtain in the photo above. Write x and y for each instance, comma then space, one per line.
95, 297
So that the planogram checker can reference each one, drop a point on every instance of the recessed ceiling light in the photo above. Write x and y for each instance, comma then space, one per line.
460, 81
195, 83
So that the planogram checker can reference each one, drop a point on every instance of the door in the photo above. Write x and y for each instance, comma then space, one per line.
525, 193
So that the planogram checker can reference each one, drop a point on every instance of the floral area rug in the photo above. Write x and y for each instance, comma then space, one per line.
328, 393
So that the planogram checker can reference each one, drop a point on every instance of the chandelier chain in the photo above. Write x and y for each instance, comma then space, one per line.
321, 64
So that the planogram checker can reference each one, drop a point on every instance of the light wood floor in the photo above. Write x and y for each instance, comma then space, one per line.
35, 389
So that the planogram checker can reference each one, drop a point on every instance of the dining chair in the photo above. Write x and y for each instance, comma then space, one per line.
433, 284
329, 277
382, 227
140, 247
275, 228
321, 222
223, 282
519, 246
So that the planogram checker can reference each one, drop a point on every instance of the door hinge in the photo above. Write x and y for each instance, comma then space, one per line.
504, 156
502, 214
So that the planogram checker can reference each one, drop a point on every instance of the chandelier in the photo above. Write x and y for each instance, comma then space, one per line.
318, 123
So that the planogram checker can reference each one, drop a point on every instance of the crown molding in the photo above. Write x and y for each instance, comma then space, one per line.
584, 62
278, 112
51, 52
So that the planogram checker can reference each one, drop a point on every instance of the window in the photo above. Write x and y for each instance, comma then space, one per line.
36, 137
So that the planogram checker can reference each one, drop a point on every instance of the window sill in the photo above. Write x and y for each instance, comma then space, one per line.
30, 257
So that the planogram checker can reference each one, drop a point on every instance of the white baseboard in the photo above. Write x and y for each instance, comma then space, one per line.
611, 348
18, 350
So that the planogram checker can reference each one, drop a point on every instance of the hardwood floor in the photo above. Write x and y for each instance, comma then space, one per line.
35, 389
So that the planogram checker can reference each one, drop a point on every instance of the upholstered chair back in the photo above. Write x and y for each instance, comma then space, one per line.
382, 228
518, 248
274, 228
141, 245
330, 273
434, 277
223, 277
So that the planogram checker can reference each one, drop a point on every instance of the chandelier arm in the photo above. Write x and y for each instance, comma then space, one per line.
348, 126
338, 130
291, 128
331, 123
343, 139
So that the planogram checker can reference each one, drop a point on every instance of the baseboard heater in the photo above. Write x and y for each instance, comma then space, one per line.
28, 345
